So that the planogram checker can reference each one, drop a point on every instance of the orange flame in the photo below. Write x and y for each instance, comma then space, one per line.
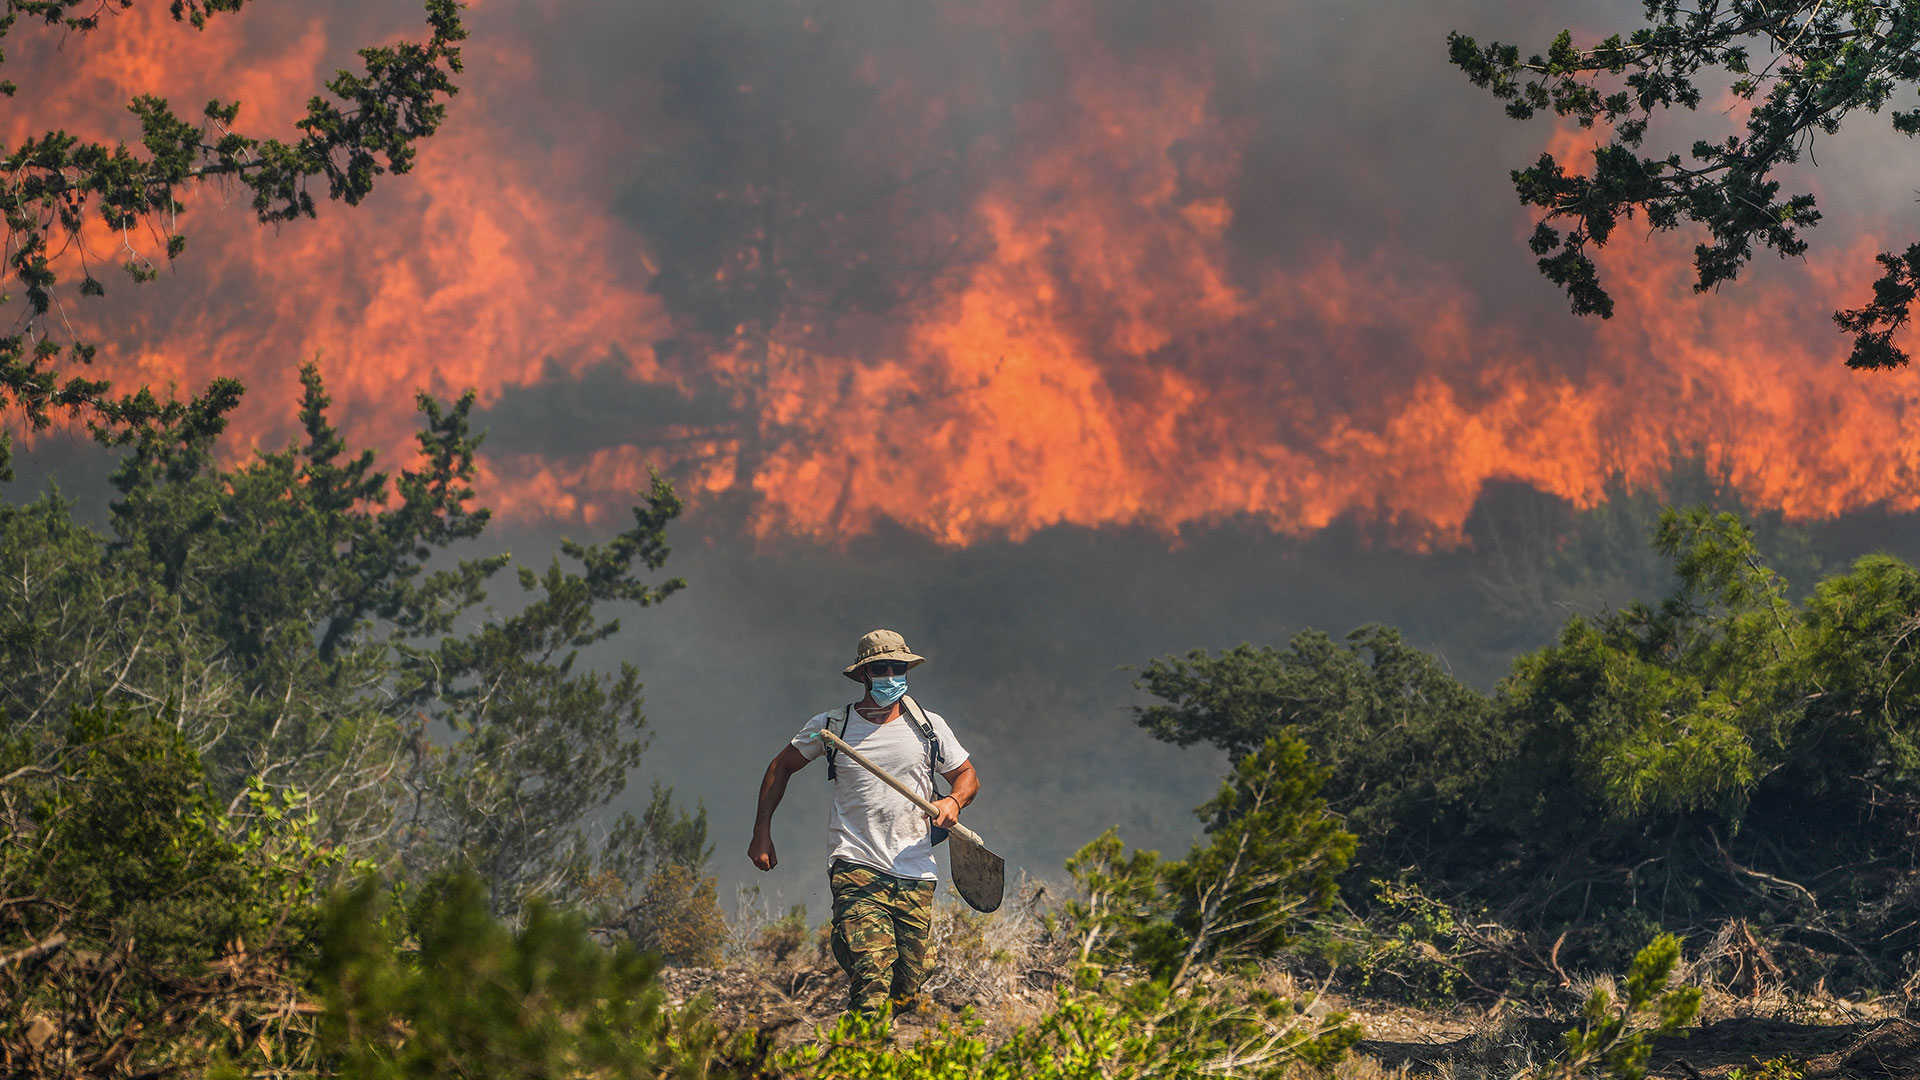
469, 272
1103, 361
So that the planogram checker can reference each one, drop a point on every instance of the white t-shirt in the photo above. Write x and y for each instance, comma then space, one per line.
870, 823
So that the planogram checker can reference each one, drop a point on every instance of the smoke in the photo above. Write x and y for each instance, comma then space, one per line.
1090, 264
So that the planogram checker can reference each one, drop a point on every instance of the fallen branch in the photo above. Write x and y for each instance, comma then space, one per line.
38, 948
1757, 875
1553, 957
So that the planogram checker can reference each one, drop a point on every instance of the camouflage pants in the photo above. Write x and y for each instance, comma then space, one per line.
882, 930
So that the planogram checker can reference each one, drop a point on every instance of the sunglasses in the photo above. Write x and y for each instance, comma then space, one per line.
887, 667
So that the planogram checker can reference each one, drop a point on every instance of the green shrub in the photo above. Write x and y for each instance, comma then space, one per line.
1119, 894
1784, 1067
1415, 947
1616, 1035
1400, 737
1721, 754
474, 998
1271, 856
1089, 1037
301, 611
154, 931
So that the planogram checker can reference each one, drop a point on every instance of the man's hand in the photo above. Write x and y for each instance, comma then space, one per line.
760, 852
773, 787
966, 784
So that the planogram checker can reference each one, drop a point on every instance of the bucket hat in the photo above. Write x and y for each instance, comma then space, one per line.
881, 645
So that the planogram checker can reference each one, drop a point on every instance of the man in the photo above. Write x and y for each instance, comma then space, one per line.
882, 867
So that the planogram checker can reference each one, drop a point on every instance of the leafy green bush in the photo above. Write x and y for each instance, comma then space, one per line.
1783, 1067
472, 997
1616, 1034
1420, 949
1271, 856
302, 612
1119, 895
148, 927
1400, 737
1091, 1038
1723, 754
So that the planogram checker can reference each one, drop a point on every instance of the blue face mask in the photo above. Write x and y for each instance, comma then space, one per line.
888, 689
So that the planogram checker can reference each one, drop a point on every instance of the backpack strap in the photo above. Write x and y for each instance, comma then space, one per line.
832, 752
925, 727
933, 757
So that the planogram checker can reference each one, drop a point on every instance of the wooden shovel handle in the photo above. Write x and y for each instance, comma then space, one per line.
888, 778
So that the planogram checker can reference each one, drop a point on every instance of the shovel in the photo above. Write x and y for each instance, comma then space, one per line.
979, 875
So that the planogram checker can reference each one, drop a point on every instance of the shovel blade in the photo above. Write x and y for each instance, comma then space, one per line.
979, 876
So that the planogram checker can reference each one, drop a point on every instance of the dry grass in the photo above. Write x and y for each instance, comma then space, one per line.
1456, 1045
778, 970
1000, 964
1004, 969
1361, 1067
1740, 978
1495, 1052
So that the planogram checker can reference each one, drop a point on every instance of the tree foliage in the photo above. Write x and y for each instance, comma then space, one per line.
64, 190
1118, 897
139, 925
258, 676
1540, 557
307, 624
1799, 69
1396, 733
253, 678
1271, 856
479, 998
1726, 752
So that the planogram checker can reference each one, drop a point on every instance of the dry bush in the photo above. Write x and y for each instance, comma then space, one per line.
757, 938
1361, 1067
996, 959
1500, 1051
678, 917
780, 970
1744, 971
112, 1013
1583, 984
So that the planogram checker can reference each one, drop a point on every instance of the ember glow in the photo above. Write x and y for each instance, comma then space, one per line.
1100, 347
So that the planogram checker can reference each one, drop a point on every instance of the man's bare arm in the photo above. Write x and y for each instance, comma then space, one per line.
773, 788
966, 784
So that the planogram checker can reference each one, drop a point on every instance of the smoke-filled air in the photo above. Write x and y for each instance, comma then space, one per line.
1080, 264
1479, 480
